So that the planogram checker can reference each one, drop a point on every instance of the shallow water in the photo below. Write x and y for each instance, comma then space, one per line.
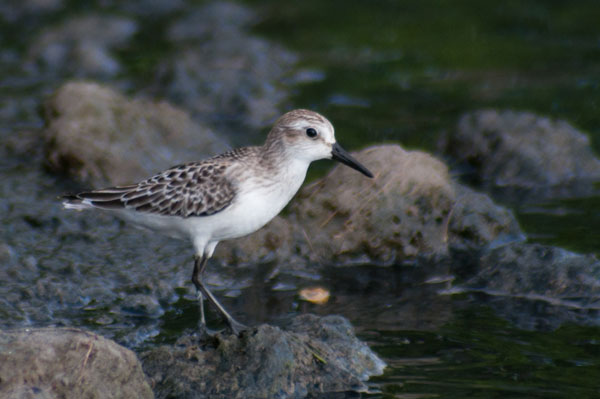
384, 71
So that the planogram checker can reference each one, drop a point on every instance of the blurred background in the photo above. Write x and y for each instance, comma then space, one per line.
383, 72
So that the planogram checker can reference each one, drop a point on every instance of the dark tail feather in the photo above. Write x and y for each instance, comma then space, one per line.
109, 198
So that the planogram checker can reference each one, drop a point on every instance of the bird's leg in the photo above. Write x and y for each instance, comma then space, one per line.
199, 266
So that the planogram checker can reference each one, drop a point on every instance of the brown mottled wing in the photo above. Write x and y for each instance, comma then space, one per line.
193, 189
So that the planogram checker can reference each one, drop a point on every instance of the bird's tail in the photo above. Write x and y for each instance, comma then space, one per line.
106, 198
70, 201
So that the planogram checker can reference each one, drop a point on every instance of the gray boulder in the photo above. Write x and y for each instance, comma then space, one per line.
535, 286
99, 136
12, 11
81, 46
509, 148
401, 212
67, 363
312, 356
223, 74
538, 271
477, 221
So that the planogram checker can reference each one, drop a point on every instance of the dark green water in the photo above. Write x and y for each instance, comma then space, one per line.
478, 356
402, 72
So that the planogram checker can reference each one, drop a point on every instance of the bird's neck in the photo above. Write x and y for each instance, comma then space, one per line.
276, 157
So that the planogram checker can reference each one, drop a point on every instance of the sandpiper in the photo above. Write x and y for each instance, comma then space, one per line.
226, 196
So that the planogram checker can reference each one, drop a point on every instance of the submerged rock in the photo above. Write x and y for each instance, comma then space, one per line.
67, 363
521, 149
13, 11
274, 241
313, 356
99, 136
82, 45
150, 8
535, 286
538, 270
222, 74
476, 221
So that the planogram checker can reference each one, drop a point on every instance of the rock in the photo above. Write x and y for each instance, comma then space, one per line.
508, 148
398, 214
99, 136
13, 11
534, 286
211, 21
274, 241
314, 356
222, 74
67, 363
538, 270
82, 45
476, 221
151, 8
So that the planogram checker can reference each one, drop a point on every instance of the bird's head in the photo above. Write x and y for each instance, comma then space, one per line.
309, 136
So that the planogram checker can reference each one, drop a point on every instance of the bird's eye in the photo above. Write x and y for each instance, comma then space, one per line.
310, 132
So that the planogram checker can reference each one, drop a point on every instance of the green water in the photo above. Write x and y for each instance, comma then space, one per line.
478, 356
418, 65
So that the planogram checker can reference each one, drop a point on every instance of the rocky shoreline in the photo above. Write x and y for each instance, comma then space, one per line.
413, 233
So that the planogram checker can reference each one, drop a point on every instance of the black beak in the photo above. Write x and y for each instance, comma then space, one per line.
339, 154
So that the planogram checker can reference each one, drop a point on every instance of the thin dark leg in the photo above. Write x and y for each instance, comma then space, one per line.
198, 270
199, 266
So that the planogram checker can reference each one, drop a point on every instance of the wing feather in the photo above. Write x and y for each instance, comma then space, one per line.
193, 189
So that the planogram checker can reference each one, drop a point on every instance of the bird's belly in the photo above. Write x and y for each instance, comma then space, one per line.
251, 211
172, 226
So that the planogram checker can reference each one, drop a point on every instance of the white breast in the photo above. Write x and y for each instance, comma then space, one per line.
258, 200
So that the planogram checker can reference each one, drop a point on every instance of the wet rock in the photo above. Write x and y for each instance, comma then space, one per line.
82, 46
535, 286
12, 11
476, 221
274, 241
67, 363
148, 8
401, 212
538, 270
313, 356
508, 148
143, 306
211, 21
6, 253
221, 73
97, 135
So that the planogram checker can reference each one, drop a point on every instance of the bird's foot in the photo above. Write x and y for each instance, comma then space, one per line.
235, 326
205, 333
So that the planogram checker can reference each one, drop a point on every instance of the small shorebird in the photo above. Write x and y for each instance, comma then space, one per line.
226, 196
